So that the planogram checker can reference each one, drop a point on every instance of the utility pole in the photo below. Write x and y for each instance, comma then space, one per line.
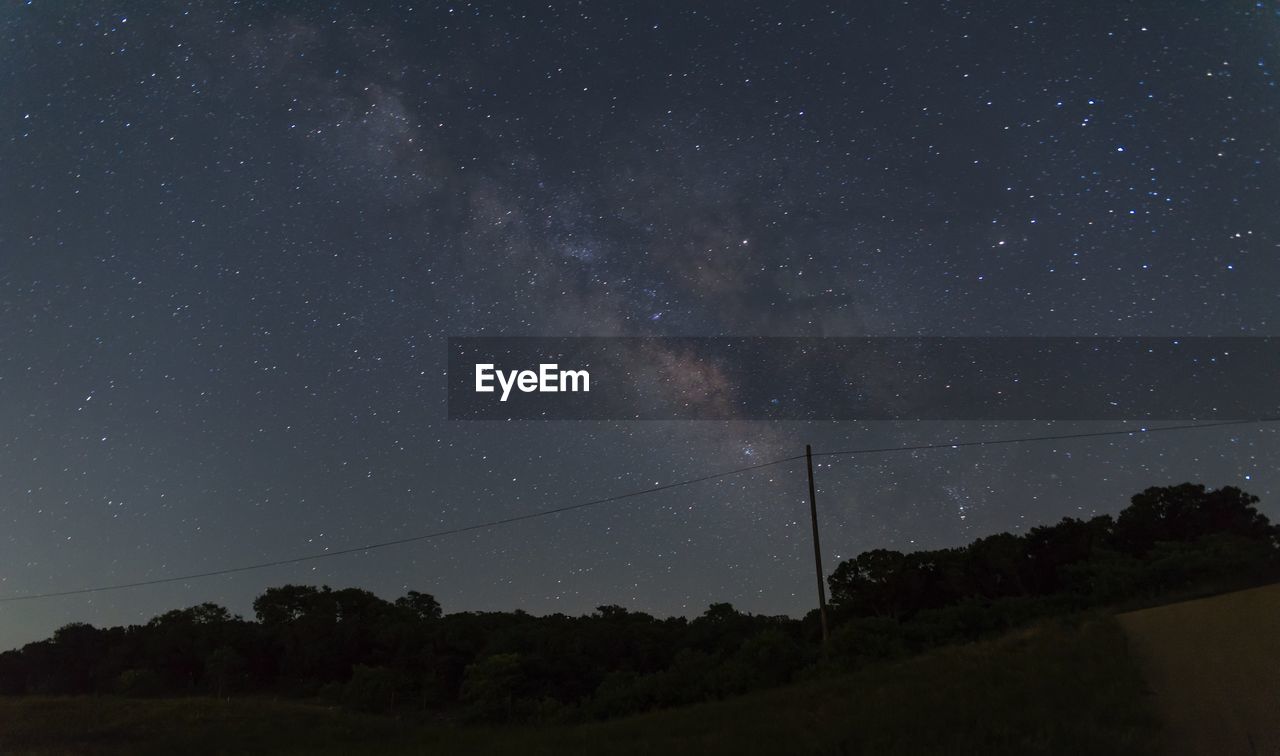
817, 549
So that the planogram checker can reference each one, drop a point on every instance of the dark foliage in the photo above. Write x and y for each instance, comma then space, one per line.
352, 647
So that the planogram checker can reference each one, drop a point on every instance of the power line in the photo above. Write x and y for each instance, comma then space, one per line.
400, 541
1063, 437
620, 497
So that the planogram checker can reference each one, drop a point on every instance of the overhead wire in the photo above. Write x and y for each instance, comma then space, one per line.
1136, 431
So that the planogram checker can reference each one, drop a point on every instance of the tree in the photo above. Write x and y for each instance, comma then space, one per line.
280, 606
1053, 551
201, 614
1188, 512
365, 652
374, 688
422, 605
491, 686
993, 567
863, 585
225, 669
139, 683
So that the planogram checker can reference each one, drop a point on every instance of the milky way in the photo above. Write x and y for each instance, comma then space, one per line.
235, 236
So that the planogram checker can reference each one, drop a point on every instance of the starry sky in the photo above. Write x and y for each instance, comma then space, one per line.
235, 236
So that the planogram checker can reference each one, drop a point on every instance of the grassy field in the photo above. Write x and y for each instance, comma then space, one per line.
1064, 688
1214, 666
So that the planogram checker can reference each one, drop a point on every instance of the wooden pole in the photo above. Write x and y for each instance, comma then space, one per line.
817, 548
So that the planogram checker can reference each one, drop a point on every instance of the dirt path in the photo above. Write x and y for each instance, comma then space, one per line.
1214, 666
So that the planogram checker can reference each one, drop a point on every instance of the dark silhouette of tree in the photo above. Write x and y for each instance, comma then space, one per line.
226, 670
423, 606
352, 647
1186, 513
280, 606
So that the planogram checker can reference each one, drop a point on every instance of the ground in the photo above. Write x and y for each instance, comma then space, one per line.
1213, 666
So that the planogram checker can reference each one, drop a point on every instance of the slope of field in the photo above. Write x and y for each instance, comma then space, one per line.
1214, 666
1056, 689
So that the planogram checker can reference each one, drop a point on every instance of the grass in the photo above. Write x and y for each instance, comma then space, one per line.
1060, 688
1214, 666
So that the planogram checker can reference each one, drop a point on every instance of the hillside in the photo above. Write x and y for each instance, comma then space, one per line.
1212, 665
1063, 688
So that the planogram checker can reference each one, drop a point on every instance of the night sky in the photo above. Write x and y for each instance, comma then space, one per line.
234, 238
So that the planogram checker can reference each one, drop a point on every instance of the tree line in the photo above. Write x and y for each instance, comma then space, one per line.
353, 648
